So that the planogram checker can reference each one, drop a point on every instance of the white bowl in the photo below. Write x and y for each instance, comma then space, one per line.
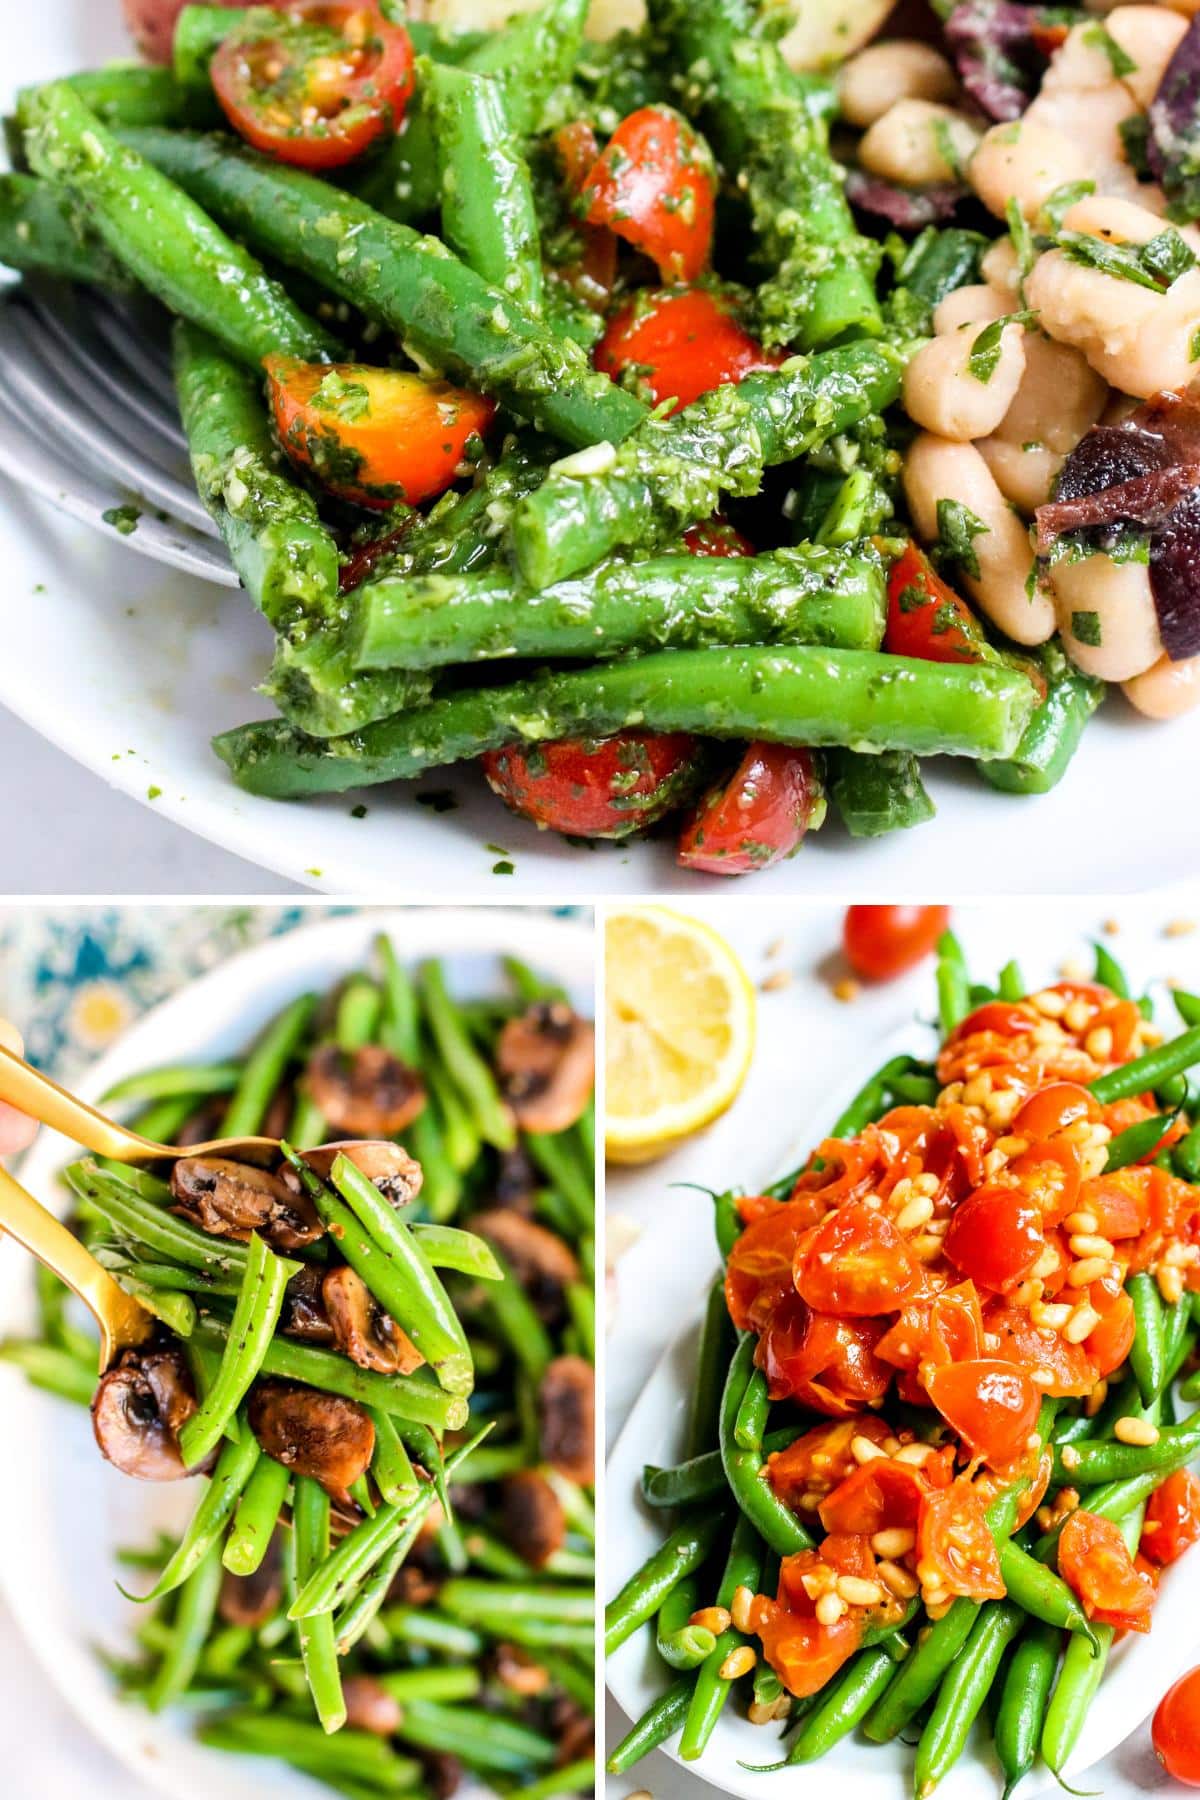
63, 1520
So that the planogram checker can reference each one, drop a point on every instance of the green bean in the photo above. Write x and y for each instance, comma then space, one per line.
1077, 1684
1138, 1142
235, 1466
264, 1068
350, 1755
365, 1604
488, 213
168, 1278
250, 1332
1040, 1593
190, 1628
318, 1650
572, 1778
126, 93
482, 1739
952, 983
45, 230
727, 1223
421, 1625
258, 1509
446, 1247
338, 1575
681, 1644
717, 1343
176, 1310
115, 1197
1011, 985
744, 1469
661, 1720
686, 1550
1093, 1464
920, 1674
458, 1131
962, 1694
743, 1568
1053, 734
1147, 1354
390, 1465
563, 1168
1145, 1072
190, 1081
1023, 1701
880, 793
702, 1477
751, 1421
53, 1370
513, 1314
841, 1706
469, 1073
431, 1683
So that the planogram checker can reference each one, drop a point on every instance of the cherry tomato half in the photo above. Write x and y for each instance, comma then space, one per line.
992, 1405
595, 787
1176, 1729
879, 1494
828, 1365
374, 436
995, 1237
856, 1263
883, 941
821, 1458
1172, 1518
925, 617
594, 272
756, 816
1053, 1107
953, 1537
655, 186
682, 342
716, 537
1094, 1559
321, 87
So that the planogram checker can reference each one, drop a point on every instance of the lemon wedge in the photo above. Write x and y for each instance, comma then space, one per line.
680, 1030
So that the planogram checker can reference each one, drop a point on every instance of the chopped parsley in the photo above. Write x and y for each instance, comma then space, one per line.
503, 868
1056, 205
984, 357
1086, 627
958, 527
348, 401
1099, 37
1022, 237
1154, 265
123, 519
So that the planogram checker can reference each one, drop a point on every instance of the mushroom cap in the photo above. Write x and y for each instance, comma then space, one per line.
138, 1411
321, 1435
369, 1706
366, 1093
532, 1517
567, 1403
362, 1330
388, 1166
541, 1261
304, 1314
546, 1059
233, 1199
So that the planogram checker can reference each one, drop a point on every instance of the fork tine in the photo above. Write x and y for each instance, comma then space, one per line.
134, 350
74, 336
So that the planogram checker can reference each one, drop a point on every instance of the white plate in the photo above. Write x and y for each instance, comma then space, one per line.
130, 669
654, 1432
63, 1520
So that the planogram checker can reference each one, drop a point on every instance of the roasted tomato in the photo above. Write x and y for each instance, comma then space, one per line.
883, 941
827, 1364
1107, 1346
949, 1328
995, 1237
655, 186
1031, 1348
596, 787
878, 1494
680, 343
857, 1263
1176, 1729
1048, 1172
992, 1405
756, 816
318, 88
1094, 1560
1119, 1203
1052, 1108
955, 1546
804, 1653
1172, 1518
926, 618
371, 435
811, 1467
758, 1272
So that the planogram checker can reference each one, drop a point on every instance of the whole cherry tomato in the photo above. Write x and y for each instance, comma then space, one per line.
1176, 1729
995, 1237
883, 941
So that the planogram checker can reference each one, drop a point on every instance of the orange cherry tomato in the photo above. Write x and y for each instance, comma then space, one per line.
759, 1271
804, 1653
1110, 1342
1119, 1203
883, 941
374, 436
826, 1364
655, 186
1049, 1173
681, 342
995, 1237
992, 1405
1094, 1560
818, 1461
925, 617
1054, 1107
1172, 1518
1031, 1348
877, 1494
953, 1538
857, 1263
1176, 1729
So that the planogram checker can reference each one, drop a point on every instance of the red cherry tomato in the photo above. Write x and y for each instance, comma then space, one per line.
655, 186
1107, 1346
1048, 1175
1031, 1348
758, 1272
953, 1538
682, 343
1176, 1729
374, 436
1172, 1518
595, 787
992, 1405
757, 815
995, 1237
320, 87
804, 1653
1053, 1108
1094, 1559
826, 1364
820, 1459
593, 276
716, 537
856, 1263
879, 1494
883, 941
926, 618
1119, 1203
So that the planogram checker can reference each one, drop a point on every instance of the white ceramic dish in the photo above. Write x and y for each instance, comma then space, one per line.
1138, 1672
62, 1522
130, 669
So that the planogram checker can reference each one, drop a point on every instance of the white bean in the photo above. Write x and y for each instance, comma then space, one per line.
1166, 688
1081, 98
826, 33
974, 305
1001, 269
897, 69
1059, 397
1149, 36
937, 469
1115, 600
942, 395
1138, 340
916, 142
1026, 162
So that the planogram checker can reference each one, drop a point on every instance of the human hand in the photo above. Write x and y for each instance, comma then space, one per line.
16, 1131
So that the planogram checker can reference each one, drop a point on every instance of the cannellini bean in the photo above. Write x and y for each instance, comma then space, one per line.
1081, 98
1025, 161
1001, 269
1138, 340
1149, 36
898, 69
824, 34
918, 141
1121, 221
937, 469
1166, 688
974, 305
1059, 397
942, 395
1116, 599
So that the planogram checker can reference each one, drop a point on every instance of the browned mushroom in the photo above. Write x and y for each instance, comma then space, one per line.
413, 1586
443, 1773
204, 1124
321, 1435
367, 1093
253, 1599
390, 1167
546, 1059
362, 1330
520, 1672
230, 1199
517, 1181
568, 1414
139, 1409
303, 1314
369, 1706
574, 1731
542, 1263
532, 1517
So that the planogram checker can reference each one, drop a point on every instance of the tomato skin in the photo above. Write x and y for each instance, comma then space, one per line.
1053, 1107
925, 617
874, 1496
655, 186
756, 816
1110, 1342
346, 100
1030, 1347
1094, 1559
1172, 1518
953, 1538
758, 1272
992, 1405
716, 537
826, 1364
995, 1237
595, 274
883, 941
857, 1264
804, 1653
374, 436
1176, 1729
595, 787
1119, 1202
683, 342
821, 1459
1048, 1174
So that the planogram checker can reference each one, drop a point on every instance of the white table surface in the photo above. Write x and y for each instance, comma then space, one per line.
804, 1033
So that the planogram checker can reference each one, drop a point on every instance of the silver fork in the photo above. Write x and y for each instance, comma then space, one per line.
88, 421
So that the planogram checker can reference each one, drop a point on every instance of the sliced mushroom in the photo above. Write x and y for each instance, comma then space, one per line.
367, 1093
520, 1672
568, 1415
574, 1731
532, 1517
138, 1411
391, 1168
546, 1060
540, 1260
362, 1330
253, 1599
443, 1773
517, 1180
203, 1125
231, 1199
413, 1586
321, 1435
369, 1706
304, 1314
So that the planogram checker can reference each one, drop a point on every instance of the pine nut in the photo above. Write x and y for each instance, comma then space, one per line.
917, 1454
1049, 1004
1082, 1221
863, 1450
739, 1662
1170, 1283
1096, 1399
712, 1618
739, 1612
1051, 1317
1047, 1263
1076, 1015
1070, 1457
927, 1247
1081, 1324
977, 1089
926, 1184
1088, 1269
897, 1579
897, 1540
857, 1592
1002, 1107
1136, 1431
1099, 1043
1086, 1244
915, 1213
829, 1609
1027, 1293
764, 1712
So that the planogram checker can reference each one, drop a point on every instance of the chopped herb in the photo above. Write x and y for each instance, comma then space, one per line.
1135, 137
1099, 37
912, 598
439, 800
1060, 202
1086, 627
1154, 265
1022, 237
349, 401
958, 527
123, 519
984, 357
358, 812
152, 793
503, 868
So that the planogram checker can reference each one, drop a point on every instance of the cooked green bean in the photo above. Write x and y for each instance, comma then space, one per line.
250, 1332
686, 1550
259, 1506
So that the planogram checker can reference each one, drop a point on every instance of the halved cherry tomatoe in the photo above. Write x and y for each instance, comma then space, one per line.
756, 816
994, 1238
856, 1263
682, 342
654, 184
955, 1542
1094, 1559
375, 436
821, 1458
828, 1365
992, 1405
1175, 1730
926, 618
318, 85
1172, 1523
596, 787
